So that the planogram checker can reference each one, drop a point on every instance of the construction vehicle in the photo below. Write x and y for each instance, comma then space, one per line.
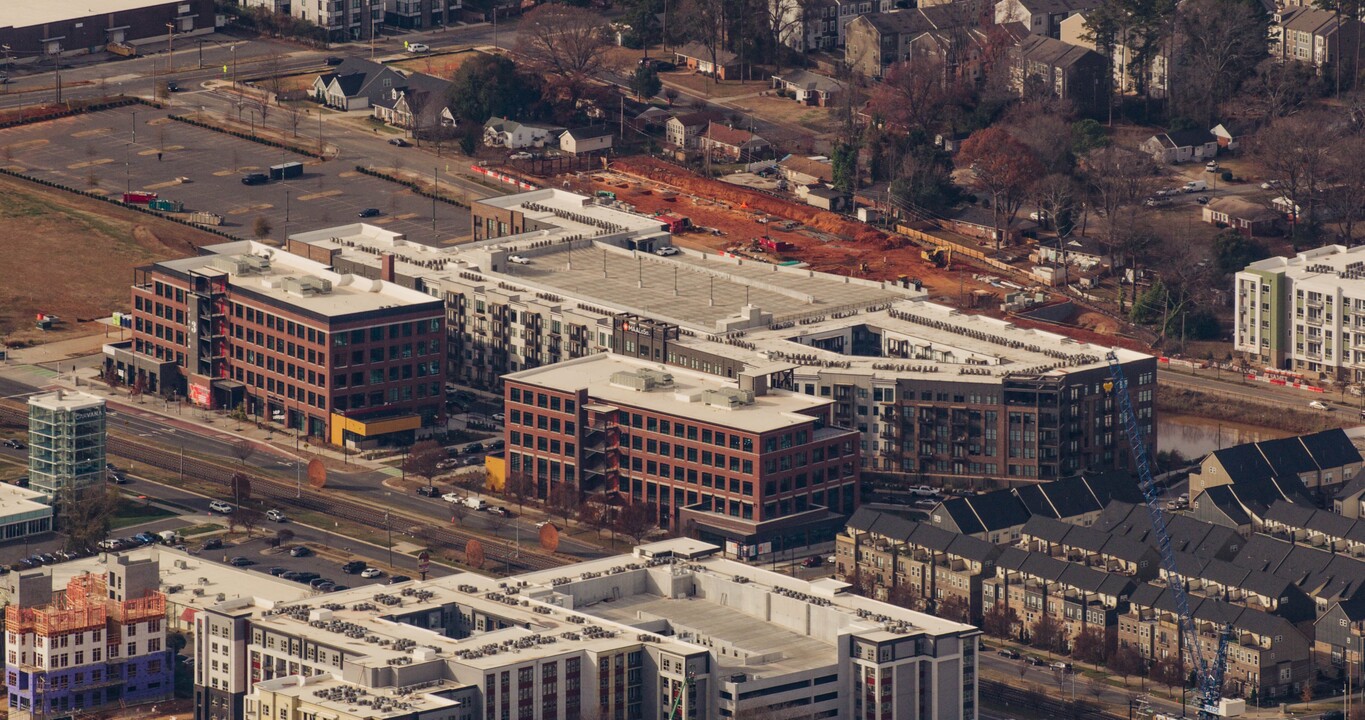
682, 692
768, 243
938, 257
1209, 674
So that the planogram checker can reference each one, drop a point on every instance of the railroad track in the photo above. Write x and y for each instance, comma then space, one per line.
287, 494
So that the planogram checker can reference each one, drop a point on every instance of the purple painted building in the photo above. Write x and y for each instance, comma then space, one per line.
101, 642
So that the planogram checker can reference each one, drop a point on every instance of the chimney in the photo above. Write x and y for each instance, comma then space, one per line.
386, 267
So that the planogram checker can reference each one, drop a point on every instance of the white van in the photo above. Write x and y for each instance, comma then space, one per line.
1195, 186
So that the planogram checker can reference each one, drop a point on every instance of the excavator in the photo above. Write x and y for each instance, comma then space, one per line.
938, 257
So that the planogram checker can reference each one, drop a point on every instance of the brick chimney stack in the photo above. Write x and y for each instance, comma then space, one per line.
386, 272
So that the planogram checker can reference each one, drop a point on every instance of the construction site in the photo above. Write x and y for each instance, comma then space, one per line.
87, 646
751, 224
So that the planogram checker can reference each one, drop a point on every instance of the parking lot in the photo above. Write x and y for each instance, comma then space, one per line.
98, 152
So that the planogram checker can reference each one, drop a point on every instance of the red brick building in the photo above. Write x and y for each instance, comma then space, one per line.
340, 357
731, 462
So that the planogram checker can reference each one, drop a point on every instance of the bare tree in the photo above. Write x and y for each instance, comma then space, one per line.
568, 43
636, 521
519, 486
706, 22
424, 460
1289, 149
1346, 198
1118, 181
1005, 169
249, 518
564, 501
85, 515
243, 450
261, 227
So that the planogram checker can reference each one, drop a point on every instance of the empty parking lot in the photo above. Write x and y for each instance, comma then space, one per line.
140, 148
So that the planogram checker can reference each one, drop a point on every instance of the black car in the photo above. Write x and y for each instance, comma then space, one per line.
369, 212
305, 576
1008, 653
395, 579
333, 60
255, 179
429, 491
354, 567
339, 588
16, 444
278, 571
400, 142
213, 544
172, 86
300, 551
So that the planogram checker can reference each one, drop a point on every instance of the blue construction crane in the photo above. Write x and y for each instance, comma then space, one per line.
1210, 674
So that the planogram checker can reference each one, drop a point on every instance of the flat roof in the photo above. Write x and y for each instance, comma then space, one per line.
332, 693
559, 208
275, 274
66, 400
199, 581
695, 290
1326, 266
18, 13
16, 501
684, 397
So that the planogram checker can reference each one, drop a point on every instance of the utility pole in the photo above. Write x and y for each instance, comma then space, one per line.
7, 67
435, 189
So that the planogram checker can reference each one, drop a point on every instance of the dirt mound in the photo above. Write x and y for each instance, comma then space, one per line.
1099, 323
744, 199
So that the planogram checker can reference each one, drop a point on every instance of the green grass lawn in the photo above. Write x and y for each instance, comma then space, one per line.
131, 512
193, 530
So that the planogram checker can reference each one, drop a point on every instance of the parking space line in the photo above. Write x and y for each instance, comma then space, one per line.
89, 163
323, 194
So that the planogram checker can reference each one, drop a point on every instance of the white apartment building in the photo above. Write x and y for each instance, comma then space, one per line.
673, 626
1304, 315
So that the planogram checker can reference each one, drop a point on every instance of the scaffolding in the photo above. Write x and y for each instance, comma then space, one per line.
84, 605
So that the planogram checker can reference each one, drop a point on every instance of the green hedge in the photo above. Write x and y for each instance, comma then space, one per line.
409, 185
117, 201
246, 136
94, 107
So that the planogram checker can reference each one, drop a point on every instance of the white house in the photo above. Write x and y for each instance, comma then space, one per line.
1180, 146
582, 141
502, 132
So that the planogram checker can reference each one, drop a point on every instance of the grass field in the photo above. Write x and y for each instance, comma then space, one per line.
131, 512
74, 257
442, 66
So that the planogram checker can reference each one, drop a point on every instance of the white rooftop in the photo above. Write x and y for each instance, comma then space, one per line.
1331, 265
557, 207
15, 501
294, 280
676, 391
25, 13
332, 693
66, 400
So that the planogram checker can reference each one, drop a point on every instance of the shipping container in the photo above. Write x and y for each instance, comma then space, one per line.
206, 218
167, 205
139, 197
286, 171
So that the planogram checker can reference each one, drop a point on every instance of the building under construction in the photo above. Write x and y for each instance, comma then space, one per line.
100, 642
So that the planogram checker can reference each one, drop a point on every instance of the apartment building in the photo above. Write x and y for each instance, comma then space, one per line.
1304, 315
891, 552
1321, 462
934, 394
741, 463
1326, 577
999, 516
344, 19
1078, 598
419, 14
686, 634
1267, 657
98, 644
339, 357
807, 26
66, 439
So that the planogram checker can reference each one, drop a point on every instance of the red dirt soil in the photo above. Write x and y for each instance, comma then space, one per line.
838, 245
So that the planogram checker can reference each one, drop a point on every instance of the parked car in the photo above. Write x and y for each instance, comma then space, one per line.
240, 561
666, 251
354, 567
451, 497
500, 511
1272, 184
1194, 186
398, 579
172, 86
1061, 666
1035, 660
472, 448
278, 571
369, 213
418, 48
400, 142
1202, 199
213, 544
1010, 653
813, 561
276, 516
495, 445
315, 582
219, 506
519, 259
370, 572
429, 491
255, 179
333, 60
12, 443
1319, 405
498, 417
520, 156
300, 551
1211, 166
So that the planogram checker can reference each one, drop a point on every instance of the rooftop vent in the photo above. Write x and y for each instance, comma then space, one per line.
642, 379
728, 398
307, 286
240, 264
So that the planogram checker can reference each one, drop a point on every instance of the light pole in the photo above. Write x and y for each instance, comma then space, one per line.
286, 219
7, 67
133, 126
435, 188
389, 530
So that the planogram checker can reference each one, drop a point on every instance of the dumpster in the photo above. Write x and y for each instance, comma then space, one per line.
167, 205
